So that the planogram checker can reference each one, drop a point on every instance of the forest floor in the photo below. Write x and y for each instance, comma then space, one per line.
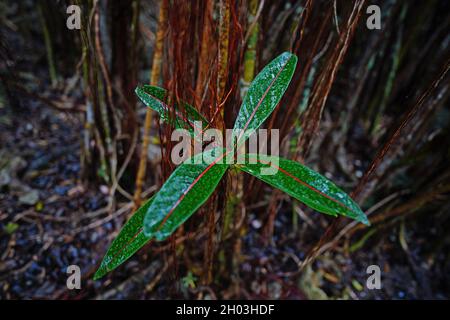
49, 220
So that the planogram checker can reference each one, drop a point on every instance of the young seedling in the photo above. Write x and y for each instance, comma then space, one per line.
193, 182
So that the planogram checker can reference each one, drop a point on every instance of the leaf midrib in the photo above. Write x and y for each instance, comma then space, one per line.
178, 113
125, 245
307, 185
190, 187
262, 98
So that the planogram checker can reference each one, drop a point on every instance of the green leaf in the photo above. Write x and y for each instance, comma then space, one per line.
303, 184
183, 117
189, 186
11, 227
130, 239
264, 94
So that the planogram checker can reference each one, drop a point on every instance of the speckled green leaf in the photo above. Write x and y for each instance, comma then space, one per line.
264, 93
130, 239
305, 185
189, 186
183, 117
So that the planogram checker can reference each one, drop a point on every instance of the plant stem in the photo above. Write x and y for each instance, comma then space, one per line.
224, 34
237, 179
250, 52
48, 46
203, 61
154, 79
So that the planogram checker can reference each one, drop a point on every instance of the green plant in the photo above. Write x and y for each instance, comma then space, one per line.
192, 183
